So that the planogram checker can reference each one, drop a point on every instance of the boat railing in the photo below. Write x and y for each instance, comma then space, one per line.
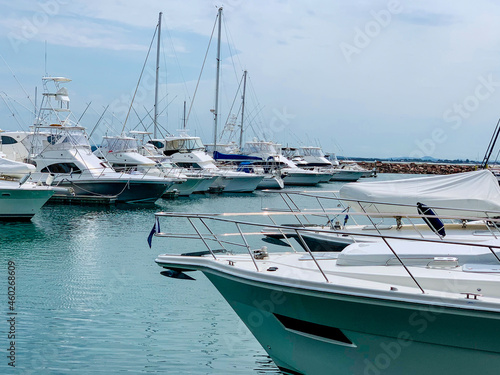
205, 229
344, 206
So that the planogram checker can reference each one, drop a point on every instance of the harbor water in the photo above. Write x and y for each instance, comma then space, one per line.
89, 298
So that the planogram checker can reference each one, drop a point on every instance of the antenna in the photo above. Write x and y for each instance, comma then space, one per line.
46, 74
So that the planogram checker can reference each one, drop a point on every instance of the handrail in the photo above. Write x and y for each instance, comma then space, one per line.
218, 217
378, 202
302, 230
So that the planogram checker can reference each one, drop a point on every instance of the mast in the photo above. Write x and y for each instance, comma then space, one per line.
491, 146
216, 110
155, 119
243, 106
184, 118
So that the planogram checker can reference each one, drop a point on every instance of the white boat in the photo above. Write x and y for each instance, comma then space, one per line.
477, 192
20, 199
62, 151
151, 152
272, 157
189, 152
389, 307
310, 158
231, 155
122, 153
348, 170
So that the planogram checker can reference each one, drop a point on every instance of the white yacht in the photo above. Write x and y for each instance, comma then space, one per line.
407, 307
122, 153
20, 199
272, 157
313, 158
62, 150
231, 154
189, 152
347, 170
207, 179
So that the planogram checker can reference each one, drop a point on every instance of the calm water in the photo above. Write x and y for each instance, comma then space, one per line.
90, 298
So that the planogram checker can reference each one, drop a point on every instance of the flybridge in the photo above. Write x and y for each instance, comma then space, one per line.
49, 111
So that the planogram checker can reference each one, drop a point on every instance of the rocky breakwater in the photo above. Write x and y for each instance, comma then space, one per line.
418, 168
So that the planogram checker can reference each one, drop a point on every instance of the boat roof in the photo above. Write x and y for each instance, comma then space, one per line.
56, 79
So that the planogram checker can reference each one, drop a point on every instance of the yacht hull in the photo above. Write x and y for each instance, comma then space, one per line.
143, 192
187, 187
125, 191
313, 332
22, 204
204, 186
302, 179
271, 182
346, 175
238, 184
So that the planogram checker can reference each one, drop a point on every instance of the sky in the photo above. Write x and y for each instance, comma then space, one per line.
359, 78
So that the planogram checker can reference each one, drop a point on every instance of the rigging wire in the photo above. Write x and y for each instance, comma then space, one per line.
201, 71
179, 67
140, 77
231, 108
230, 41
19, 83
13, 110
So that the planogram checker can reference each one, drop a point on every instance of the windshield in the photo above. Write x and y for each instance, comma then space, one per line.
312, 152
119, 144
258, 148
184, 144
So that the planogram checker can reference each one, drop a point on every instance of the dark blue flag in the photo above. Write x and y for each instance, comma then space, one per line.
156, 229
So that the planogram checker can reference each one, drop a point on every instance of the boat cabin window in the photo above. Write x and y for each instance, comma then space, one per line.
68, 140
62, 168
6, 140
312, 152
184, 145
157, 144
258, 148
119, 144
188, 165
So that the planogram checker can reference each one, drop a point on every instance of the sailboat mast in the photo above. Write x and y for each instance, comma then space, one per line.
216, 109
155, 119
184, 118
243, 106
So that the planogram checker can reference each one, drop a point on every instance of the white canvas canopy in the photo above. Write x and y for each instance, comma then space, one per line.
478, 191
